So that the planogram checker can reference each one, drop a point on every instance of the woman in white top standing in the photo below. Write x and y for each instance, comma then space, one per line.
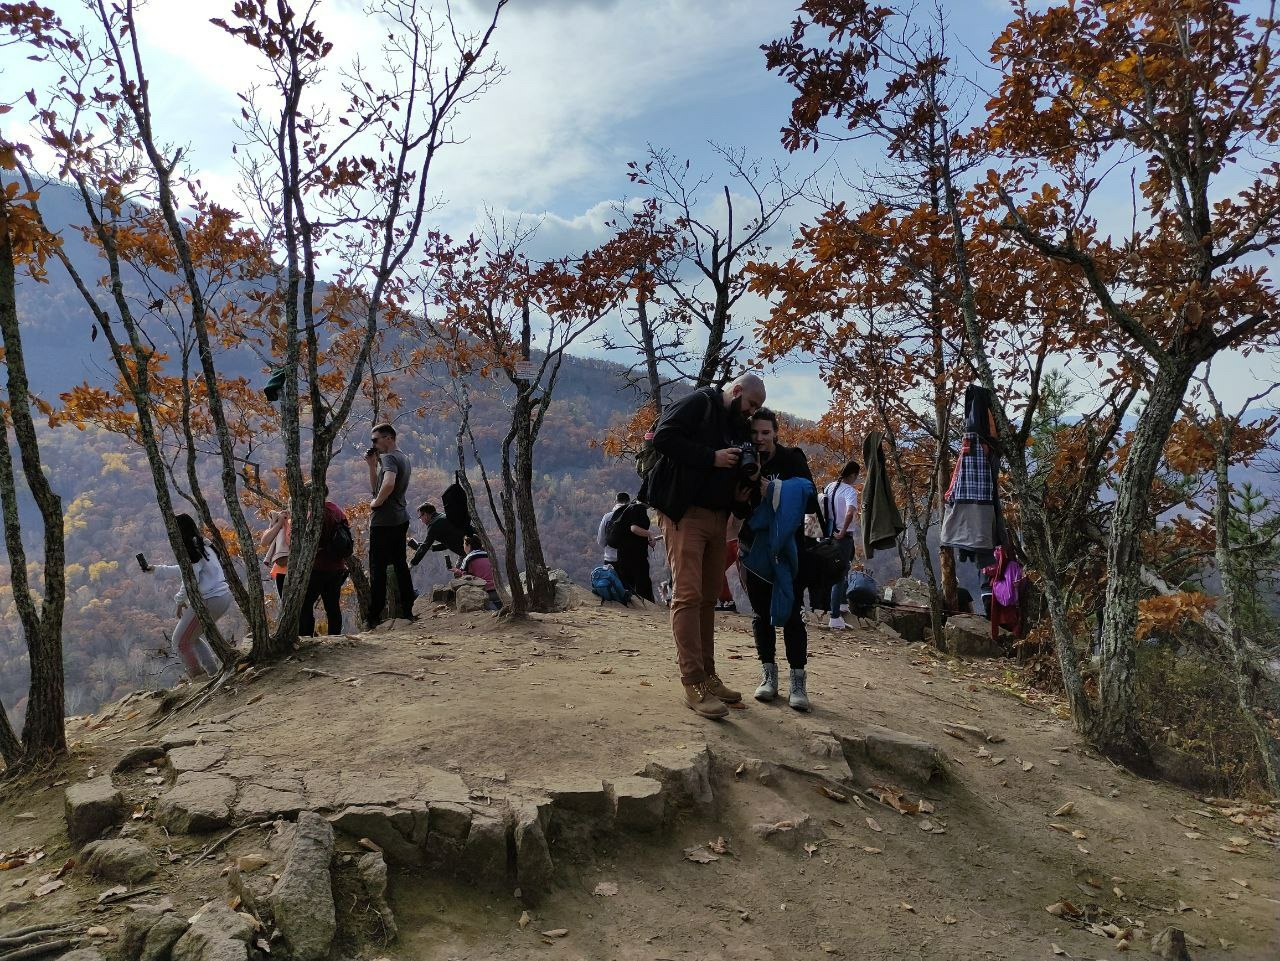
193, 648
840, 501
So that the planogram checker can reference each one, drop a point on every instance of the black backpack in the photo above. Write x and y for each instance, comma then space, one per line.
615, 533
647, 456
339, 543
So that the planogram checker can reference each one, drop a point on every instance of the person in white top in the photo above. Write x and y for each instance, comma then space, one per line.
194, 649
840, 501
610, 554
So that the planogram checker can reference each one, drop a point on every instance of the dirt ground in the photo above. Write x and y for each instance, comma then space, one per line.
594, 691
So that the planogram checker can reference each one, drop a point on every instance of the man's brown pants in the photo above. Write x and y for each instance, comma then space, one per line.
696, 552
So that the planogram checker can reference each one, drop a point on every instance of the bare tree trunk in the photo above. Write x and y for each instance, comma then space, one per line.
43, 731
1116, 731
10, 746
360, 581
537, 582
1242, 666
649, 343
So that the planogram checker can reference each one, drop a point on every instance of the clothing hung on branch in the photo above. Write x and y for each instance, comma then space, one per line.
971, 521
881, 521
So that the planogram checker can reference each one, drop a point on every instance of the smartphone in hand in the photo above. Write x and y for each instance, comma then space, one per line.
142, 561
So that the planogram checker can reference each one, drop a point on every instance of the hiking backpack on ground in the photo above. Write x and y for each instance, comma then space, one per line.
608, 586
862, 592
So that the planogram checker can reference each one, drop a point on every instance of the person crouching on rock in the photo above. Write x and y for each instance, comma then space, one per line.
196, 653
476, 563
694, 485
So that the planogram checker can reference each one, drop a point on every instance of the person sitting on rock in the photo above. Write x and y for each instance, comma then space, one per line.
476, 563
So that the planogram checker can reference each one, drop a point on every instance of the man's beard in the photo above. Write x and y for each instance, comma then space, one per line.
736, 417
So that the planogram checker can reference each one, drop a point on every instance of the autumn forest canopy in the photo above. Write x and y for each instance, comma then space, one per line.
1079, 221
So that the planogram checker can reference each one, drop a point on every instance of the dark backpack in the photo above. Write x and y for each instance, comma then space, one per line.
608, 586
615, 532
862, 593
824, 558
339, 543
647, 456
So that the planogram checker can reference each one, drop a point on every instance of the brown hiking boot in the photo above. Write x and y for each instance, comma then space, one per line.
726, 694
699, 699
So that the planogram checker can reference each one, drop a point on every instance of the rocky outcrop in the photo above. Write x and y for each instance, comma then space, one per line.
685, 776
92, 807
535, 871
638, 803
302, 901
911, 619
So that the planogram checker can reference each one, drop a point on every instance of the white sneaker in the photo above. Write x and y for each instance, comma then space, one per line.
837, 624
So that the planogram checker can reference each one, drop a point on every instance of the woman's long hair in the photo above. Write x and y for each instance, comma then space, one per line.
191, 539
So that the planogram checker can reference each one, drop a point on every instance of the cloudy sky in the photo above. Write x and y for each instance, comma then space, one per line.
590, 83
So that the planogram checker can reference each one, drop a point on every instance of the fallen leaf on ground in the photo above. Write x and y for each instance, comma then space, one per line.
251, 862
874, 850
1079, 835
24, 816
112, 892
1193, 835
949, 919
1057, 950
699, 855
874, 825
810, 849
1060, 827
718, 846
555, 933
606, 889
49, 888
907, 907
834, 795
926, 807
1241, 882
1066, 810
524, 920
1027, 765
1063, 909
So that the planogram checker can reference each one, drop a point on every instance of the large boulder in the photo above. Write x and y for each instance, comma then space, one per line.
302, 900
468, 598
968, 635
149, 934
92, 807
120, 859
216, 934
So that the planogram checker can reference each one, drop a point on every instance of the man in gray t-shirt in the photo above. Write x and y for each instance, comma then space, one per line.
389, 472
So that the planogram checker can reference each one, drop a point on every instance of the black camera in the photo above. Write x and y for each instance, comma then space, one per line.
748, 463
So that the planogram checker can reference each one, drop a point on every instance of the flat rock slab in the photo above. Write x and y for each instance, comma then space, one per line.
257, 802
579, 794
302, 900
912, 758
638, 803
203, 733
197, 803
196, 757
967, 635
92, 807
140, 756
356, 787
120, 859
450, 820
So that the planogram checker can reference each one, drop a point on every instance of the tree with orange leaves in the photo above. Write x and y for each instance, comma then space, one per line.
347, 184
25, 246
1186, 90
495, 311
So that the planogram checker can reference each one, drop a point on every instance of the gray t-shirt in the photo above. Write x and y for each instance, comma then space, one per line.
393, 510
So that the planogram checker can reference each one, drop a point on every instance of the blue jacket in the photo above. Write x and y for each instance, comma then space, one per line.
773, 555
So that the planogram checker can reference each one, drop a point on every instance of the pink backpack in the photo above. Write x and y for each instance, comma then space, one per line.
1007, 588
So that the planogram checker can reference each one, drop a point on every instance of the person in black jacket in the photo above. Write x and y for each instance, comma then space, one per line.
777, 463
441, 535
694, 485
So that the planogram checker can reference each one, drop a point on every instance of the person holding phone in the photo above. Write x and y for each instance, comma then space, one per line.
194, 649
